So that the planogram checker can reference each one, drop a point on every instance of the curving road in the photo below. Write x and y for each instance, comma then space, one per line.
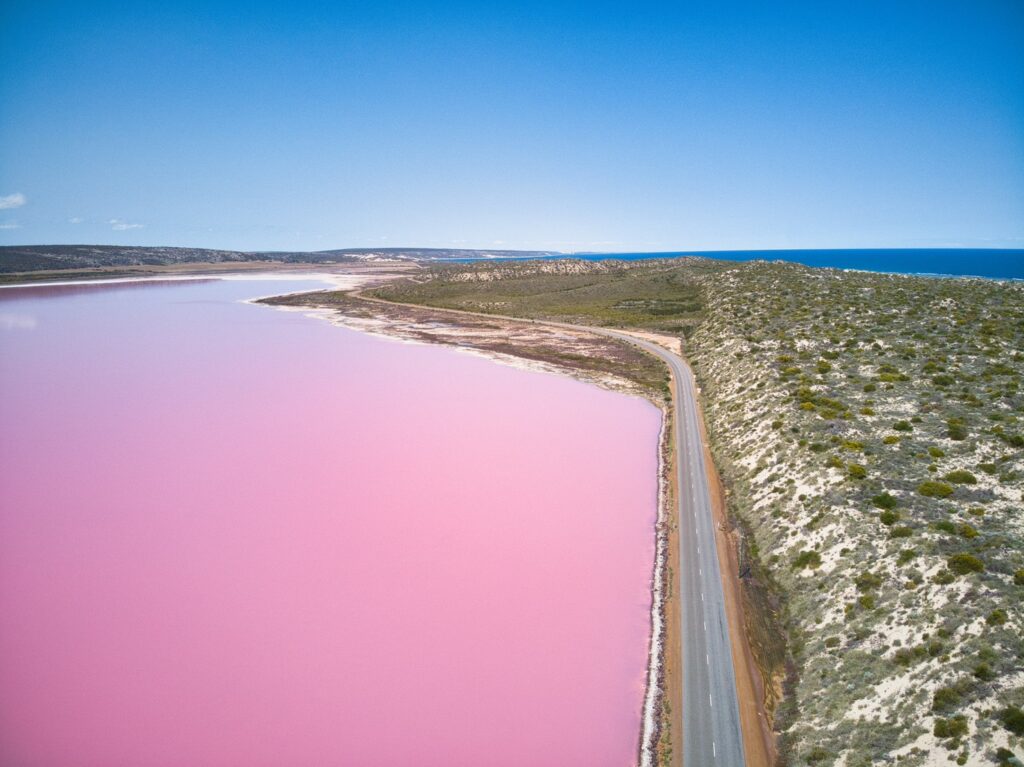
710, 715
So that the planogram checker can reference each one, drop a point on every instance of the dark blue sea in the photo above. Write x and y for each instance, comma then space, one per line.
999, 264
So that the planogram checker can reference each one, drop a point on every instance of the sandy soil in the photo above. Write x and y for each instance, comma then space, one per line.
532, 345
758, 739
672, 688
673, 344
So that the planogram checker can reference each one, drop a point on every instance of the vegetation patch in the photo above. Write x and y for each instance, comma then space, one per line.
870, 429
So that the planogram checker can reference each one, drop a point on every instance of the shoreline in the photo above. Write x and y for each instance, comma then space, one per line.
652, 703
656, 742
654, 691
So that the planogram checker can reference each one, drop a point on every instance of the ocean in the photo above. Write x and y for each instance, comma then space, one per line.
960, 262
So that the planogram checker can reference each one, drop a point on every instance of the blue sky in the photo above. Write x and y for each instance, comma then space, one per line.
569, 126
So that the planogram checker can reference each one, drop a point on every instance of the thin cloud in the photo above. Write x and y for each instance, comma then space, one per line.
75, 220
10, 225
9, 201
122, 226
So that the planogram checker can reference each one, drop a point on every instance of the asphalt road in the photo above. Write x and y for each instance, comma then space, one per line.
710, 718
710, 715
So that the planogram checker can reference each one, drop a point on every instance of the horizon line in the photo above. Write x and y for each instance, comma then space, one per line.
392, 248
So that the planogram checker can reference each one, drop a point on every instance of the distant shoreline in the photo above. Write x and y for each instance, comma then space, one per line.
17, 263
997, 263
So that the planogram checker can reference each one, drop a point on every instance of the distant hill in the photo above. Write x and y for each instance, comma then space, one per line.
432, 254
30, 258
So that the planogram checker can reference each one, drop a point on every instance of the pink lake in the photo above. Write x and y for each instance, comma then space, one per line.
233, 535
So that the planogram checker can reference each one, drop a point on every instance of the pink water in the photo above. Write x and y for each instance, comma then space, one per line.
231, 535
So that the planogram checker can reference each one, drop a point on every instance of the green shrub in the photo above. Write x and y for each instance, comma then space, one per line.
902, 426
936, 452
817, 754
856, 471
867, 601
944, 697
984, 672
967, 531
1004, 755
904, 657
1018, 577
961, 477
1013, 440
888, 517
945, 526
905, 556
900, 531
890, 439
956, 430
807, 558
964, 563
932, 489
950, 728
996, 618
948, 697
867, 580
1013, 719
884, 501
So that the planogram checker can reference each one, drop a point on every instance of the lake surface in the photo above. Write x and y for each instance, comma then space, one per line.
234, 535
